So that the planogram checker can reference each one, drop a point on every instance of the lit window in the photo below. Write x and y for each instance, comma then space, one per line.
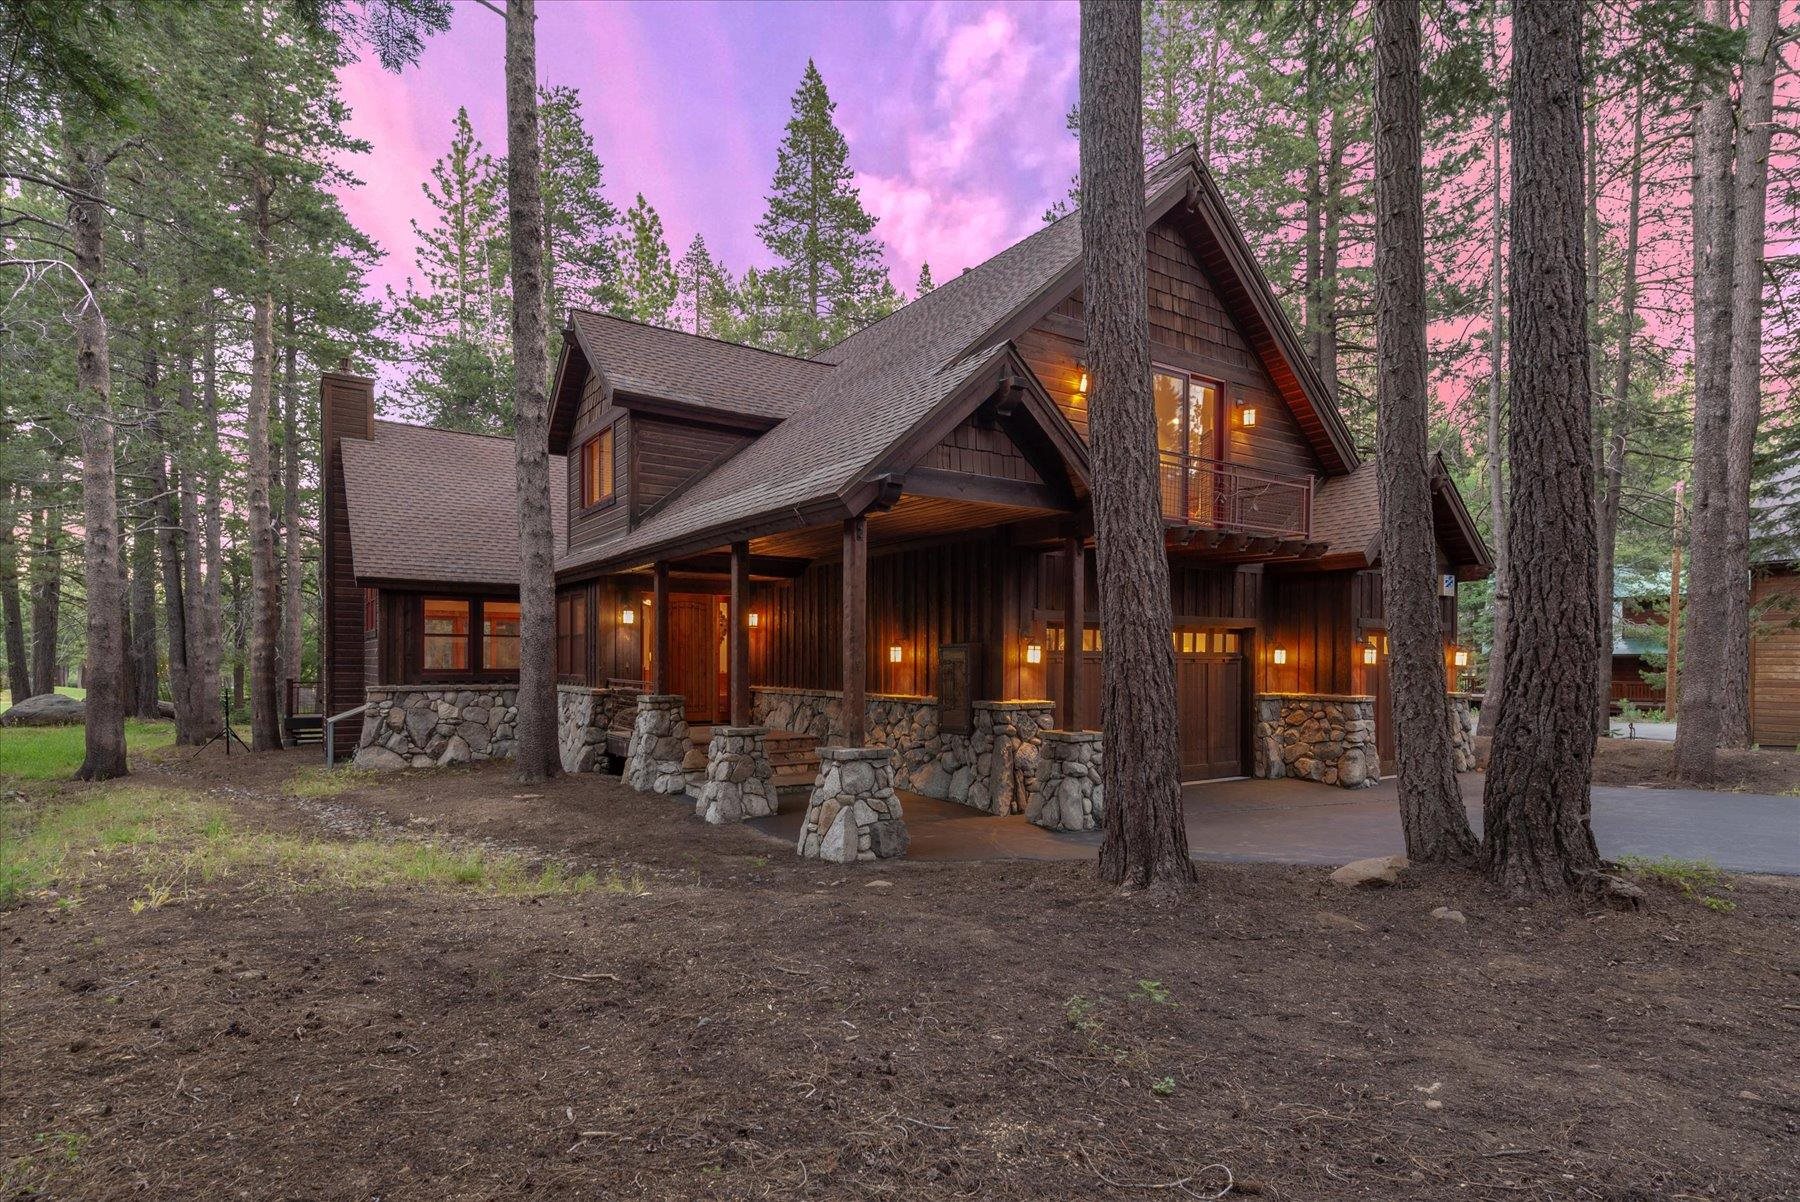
597, 468
446, 635
500, 636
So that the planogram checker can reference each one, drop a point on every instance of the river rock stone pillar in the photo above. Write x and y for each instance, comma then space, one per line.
1067, 794
853, 813
655, 758
1321, 737
1462, 731
739, 779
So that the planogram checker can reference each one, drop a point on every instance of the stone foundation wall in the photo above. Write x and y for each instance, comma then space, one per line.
853, 813
660, 757
1462, 731
1068, 795
583, 716
991, 768
739, 780
431, 726
1321, 737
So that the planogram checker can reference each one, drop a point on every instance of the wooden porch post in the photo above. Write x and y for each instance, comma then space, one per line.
740, 634
659, 605
856, 627
1074, 621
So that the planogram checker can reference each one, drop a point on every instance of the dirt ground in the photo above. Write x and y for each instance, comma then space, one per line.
730, 1022
1651, 762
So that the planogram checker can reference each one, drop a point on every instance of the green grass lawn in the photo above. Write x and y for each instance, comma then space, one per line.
6, 696
32, 753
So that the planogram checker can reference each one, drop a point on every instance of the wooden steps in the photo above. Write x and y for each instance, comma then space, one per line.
304, 729
793, 756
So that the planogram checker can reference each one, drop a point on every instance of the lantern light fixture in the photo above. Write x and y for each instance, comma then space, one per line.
1462, 657
895, 653
1081, 384
628, 616
1247, 416
753, 619
1368, 653
1279, 655
1034, 653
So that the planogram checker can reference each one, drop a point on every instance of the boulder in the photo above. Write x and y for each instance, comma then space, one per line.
1370, 873
47, 709
380, 759
1448, 915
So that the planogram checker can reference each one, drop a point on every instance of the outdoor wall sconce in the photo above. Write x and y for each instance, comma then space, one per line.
1247, 416
1034, 653
628, 616
895, 653
1081, 385
1461, 658
1368, 653
1279, 655
753, 619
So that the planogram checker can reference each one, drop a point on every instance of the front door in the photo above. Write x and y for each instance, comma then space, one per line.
693, 670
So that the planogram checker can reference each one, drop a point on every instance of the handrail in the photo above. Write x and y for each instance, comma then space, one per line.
331, 732
1228, 496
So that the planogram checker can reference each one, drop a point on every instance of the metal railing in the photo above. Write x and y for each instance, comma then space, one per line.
331, 732
302, 697
1225, 496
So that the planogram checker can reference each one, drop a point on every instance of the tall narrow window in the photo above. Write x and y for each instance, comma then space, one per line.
597, 468
499, 636
571, 634
446, 635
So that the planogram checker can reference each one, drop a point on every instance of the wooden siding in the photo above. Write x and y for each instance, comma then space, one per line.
346, 410
603, 521
1775, 660
981, 448
1310, 616
667, 454
1190, 329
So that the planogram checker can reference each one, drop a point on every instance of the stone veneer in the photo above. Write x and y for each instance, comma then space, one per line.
1462, 731
739, 779
434, 725
1068, 795
854, 813
660, 757
991, 768
1322, 737
583, 716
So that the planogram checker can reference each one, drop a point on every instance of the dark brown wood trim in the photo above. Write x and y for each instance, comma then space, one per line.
1073, 612
738, 637
659, 670
856, 628
693, 413
965, 486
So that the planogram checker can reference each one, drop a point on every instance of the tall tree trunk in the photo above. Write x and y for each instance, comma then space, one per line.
12, 615
208, 713
45, 574
141, 604
538, 756
1494, 699
104, 678
1702, 695
1146, 838
292, 562
1538, 837
169, 520
1431, 807
239, 644
265, 575
1613, 490
1750, 185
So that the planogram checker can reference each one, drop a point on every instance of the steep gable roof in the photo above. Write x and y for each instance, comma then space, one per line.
439, 506
1347, 518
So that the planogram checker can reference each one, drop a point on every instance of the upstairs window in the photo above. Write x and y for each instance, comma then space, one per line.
597, 469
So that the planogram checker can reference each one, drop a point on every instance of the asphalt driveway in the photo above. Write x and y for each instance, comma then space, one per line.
1297, 822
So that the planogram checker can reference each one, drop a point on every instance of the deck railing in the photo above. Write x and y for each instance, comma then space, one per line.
1240, 500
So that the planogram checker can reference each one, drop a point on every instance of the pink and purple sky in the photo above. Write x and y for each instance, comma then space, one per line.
954, 113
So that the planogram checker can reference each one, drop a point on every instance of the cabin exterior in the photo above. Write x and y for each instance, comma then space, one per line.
872, 573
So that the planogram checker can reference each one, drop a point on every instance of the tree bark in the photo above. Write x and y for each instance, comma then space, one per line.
209, 715
292, 561
169, 519
12, 614
265, 574
1613, 494
1146, 838
104, 678
1702, 693
45, 574
1494, 698
1750, 185
1431, 807
141, 602
538, 756
1538, 837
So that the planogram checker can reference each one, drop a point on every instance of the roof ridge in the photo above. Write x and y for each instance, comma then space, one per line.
388, 421
650, 325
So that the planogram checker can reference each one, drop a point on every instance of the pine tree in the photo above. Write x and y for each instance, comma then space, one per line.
647, 284
831, 280
581, 226
703, 290
924, 283
450, 322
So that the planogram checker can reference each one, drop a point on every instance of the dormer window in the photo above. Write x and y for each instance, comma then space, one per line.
597, 469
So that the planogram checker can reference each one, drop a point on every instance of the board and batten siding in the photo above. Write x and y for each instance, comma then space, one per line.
666, 454
587, 527
1775, 660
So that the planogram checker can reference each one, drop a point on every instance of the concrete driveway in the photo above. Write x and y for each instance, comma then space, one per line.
1296, 822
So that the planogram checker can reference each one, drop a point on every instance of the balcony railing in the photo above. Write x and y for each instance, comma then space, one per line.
1235, 499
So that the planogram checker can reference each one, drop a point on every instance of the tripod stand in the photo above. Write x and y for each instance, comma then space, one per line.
227, 734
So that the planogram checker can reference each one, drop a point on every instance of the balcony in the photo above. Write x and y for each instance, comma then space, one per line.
1235, 499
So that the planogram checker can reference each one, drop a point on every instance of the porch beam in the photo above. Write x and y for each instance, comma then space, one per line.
659, 618
991, 490
856, 628
1074, 611
739, 638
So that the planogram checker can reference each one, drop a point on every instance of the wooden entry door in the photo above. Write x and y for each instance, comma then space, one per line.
1209, 693
693, 669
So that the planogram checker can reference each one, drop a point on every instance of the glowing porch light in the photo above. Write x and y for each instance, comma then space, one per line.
628, 616
895, 653
1034, 653
1461, 658
1368, 653
753, 619
1081, 385
1247, 416
1279, 655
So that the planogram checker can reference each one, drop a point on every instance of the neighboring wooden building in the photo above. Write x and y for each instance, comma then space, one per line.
892, 542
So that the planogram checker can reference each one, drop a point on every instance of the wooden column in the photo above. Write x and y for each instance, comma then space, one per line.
856, 628
659, 614
1074, 620
739, 639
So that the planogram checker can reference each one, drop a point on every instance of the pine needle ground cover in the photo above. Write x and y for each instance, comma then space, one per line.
364, 986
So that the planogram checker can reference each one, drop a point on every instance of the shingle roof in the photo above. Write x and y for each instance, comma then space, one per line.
674, 365
439, 506
1347, 516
